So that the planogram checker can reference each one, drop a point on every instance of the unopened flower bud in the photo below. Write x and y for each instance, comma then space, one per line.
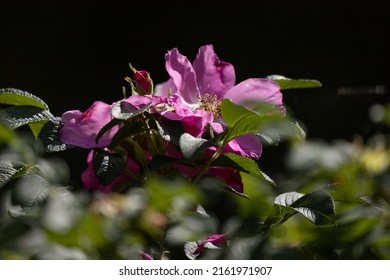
143, 81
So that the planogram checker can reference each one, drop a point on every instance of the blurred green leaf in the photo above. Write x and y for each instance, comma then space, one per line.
10, 170
6, 135
161, 161
163, 193
7, 171
29, 190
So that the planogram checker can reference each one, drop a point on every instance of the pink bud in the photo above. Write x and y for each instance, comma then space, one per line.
143, 80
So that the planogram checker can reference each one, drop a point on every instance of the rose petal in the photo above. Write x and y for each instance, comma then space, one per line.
183, 75
213, 75
256, 90
80, 129
230, 176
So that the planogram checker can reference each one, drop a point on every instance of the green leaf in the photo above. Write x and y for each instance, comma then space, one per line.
339, 193
191, 146
287, 83
124, 110
232, 112
318, 206
28, 169
278, 215
133, 148
107, 166
18, 116
128, 130
242, 164
11, 96
36, 127
169, 130
49, 135
247, 121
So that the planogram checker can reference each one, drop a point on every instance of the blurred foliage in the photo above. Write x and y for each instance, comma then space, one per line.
41, 217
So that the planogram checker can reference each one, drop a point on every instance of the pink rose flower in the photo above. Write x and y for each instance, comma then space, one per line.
203, 85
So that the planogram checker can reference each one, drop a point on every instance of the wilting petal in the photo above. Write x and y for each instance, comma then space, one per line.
80, 129
213, 75
256, 90
90, 181
183, 75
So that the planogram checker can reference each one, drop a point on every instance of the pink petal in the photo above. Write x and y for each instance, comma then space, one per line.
80, 129
213, 75
164, 89
246, 145
215, 239
194, 121
256, 90
230, 176
183, 75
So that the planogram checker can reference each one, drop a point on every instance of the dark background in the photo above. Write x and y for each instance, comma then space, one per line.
72, 53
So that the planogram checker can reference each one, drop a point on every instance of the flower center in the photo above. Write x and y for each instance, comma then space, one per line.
209, 102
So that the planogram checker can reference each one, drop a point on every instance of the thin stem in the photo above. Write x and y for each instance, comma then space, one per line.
149, 135
207, 165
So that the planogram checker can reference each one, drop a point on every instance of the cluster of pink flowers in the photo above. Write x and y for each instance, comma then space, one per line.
192, 96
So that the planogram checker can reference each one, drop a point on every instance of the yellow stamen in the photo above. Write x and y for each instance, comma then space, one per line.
209, 102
